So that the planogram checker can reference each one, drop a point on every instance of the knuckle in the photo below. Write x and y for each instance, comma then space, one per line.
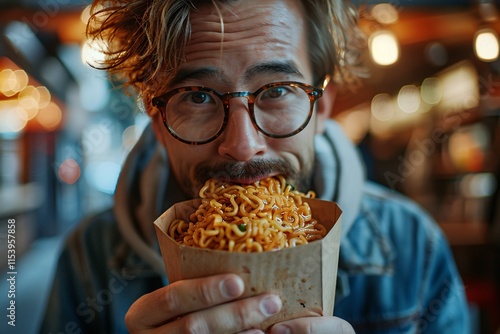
242, 315
192, 324
171, 299
246, 317
206, 294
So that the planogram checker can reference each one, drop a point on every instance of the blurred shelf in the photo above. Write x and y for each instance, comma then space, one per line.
465, 234
19, 199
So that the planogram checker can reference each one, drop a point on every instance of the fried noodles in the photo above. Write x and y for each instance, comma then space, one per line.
266, 215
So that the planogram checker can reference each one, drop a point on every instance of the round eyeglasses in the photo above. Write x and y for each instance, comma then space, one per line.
197, 115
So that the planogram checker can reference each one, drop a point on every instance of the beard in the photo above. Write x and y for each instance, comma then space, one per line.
225, 171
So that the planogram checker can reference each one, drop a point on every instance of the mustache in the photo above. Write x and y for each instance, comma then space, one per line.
247, 170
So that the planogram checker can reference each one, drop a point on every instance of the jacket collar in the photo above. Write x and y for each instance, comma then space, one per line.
340, 177
339, 174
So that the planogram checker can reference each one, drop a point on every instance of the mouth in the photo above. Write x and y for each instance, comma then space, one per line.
243, 173
249, 179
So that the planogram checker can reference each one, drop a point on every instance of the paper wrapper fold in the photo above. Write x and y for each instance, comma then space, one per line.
304, 276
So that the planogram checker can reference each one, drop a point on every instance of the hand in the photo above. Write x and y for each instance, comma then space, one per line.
316, 325
204, 305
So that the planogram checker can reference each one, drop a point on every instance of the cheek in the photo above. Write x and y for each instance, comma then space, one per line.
301, 146
304, 140
180, 157
183, 153
185, 158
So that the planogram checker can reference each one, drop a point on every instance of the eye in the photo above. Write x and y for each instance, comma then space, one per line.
200, 97
275, 92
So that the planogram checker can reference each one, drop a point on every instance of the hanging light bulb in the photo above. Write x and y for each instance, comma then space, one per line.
384, 47
486, 45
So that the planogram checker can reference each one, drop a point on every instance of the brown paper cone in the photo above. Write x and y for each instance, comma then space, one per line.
304, 276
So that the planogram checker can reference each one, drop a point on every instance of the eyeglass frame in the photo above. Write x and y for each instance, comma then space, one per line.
160, 102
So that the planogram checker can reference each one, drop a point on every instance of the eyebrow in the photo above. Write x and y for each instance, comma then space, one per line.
272, 67
215, 74
202, 74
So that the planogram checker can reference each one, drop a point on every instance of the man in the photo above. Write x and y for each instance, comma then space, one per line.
396, 273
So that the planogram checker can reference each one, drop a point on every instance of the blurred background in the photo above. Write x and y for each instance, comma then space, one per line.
426, 121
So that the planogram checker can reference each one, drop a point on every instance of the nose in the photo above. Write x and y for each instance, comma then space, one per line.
241, 140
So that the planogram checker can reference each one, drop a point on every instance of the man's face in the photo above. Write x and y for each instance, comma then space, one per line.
263, 41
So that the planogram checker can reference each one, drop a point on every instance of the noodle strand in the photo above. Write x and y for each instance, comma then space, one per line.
266, 215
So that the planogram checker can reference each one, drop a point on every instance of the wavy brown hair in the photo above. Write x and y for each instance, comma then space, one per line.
146, 39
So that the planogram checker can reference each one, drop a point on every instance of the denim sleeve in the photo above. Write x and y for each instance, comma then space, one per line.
397, 273
443, 295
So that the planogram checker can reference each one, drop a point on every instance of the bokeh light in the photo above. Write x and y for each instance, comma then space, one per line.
478, 185
431, 91
384, 47
385, 13
409, 99
69, 171
12, 82
486, 45
50, 116
93, 53
382, 107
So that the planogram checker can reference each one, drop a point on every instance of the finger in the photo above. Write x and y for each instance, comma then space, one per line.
182, 297
231, 317
311, 325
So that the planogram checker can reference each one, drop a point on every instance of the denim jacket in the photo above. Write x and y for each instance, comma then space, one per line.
396, 273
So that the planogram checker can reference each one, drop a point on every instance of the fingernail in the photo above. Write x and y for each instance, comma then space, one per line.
231, 287
280, 329
270, 305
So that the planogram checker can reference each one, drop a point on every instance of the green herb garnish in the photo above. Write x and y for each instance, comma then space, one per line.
242, 227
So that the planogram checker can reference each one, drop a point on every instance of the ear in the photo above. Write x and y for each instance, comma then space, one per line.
324, 106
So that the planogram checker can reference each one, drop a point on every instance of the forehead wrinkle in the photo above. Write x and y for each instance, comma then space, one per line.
237, 41
246, 33
268, 34
257, 22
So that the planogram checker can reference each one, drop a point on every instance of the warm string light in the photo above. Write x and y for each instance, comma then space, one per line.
486, 45
384, 47
451, 91
383, 44
93, 51
25, 103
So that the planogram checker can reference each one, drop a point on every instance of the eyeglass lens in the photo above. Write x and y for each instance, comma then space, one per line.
199, 115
